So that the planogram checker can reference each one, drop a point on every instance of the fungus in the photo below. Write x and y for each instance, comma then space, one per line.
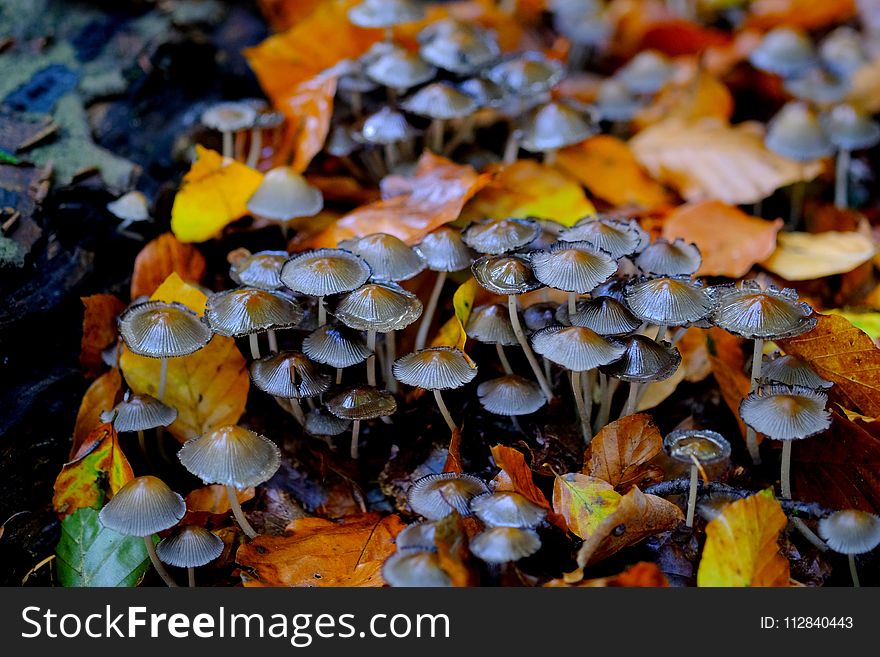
261, 270
439, 102
851, 532
669, 301
540, 315
388, 256
497, 545
414, 568
573, 267
842, 52
616, 103
510, 395
616, 237
819, 87
131, 207
490, 324
665, 258
336, 345
229, 118
417, 536
497, 236
556, 125
323, 424
784, 51
435, 496
249, 311
604, 315
292, 376
643, 361
646, 73
190, 547
399, 70
696, 448
139, 413
459, 48
507, 509
792, 371
386, 128
849, 130
526, 75
361, 403
385, 14
284, 195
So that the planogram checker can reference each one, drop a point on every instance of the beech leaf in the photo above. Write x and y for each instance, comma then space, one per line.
620, 449
516, 476
584, 502
162, 257
99, 330
101, 396
807, 256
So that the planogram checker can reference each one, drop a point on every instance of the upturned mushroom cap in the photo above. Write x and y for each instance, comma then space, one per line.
504, 544
784, 51
540, 315
381, 307
385, 13
851, 531
320, 422
497, 236
336, 345
573, 266
507, 509
792, 371
190, 546
229, 116
670, 300
139, 413
232, 456
435, 496
704, 445
604, 315
462, 50
289, 374
284, 195
783, 412
485, 92
795, 133
249, 310
505, 274
490, 324
842, 52
851, 130
261, 270
645, 361
417, 536
615, 102
325, 271
576, 348
526, 74
818, 86
435, 368
440, 100
618, 238
142, 507
556, 125
414, 568
646, 73
387, 126
747, 310
665, 258
162, 330
399, 69
132, 206
510, 395
362, 403
388, 256
443, 249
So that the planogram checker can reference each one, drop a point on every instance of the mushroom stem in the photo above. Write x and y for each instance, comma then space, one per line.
609, 387
273, 341
338, 375
852, 570
435, 135
163, 379
632, 399
430, 309
371, 359
151, 550
785, 474
572, 305
505, 364
530, 355
322, 312
240, 518
463, 133
228, 145
355, 431
255, 345
444, 411
588, 382
692, 496
798, 192
841, 180
550, 157
392, 155
297, 411
511, 148
142, 442
581, 409
390, 357
256, 147
191, 577
757, 362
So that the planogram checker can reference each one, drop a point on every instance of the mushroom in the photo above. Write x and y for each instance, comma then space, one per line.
435, 496
417, 535
385, 128
528, 74
440, 102
497, 545
573, 267
267, 121
399, 70
541, 315
784, 51
696, 447
131, 207
385, 14
646, 73
842, 52
190, 547
556, 125
361, 403
507, 509
460, 48
849, 130
616, 104
292, 376
669, 301
323, 424
138, 413
143, 507
604, 315
261, 270
643, 361
510, 395
791, 371
619, 238
497, 236
249, 311
851, 532
490, 324
336, 345
235, 458
587, 27
414, 568
284, 195
819, 87
229, 118
665, 258
388, 256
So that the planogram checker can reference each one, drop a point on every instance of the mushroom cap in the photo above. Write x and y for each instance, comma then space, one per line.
784, 51
614, 288
387, 126
162, 330
440, 100
783, 412
399, 69
354, 80
842, 52
792, 371
526, 74
485, 92
555, 125
615, 102
247, 310
459, 48
435, 368
645, 360
665, 258
341, 141
851, 130
232, 456
490, 324
261, 270
381, 307
497, 236
417, 536
619, 238
385, 13
795, 133
510, 395
132, 206
321, 422
505, 274
550, 231
818, 86
362, 403
576, 348
229, 116
284, 195
325, 271
336, 345
139, 413
646, 73
573, 266
851, 531
435, 496
704, 445
748, 311
585, 26
142, 507
414, 568
604, 315
289, 374
503, 544
507, 509
443, 249
190, 546
539, 315
670, 300
388, 256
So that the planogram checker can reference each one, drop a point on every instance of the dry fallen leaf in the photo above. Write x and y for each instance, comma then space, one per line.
162, 257
99, 330
451, 541
807, 256
693, 94
734, 386
806, 14
620, 449
864, 92
101, 396
677, 37
643, 574
214, 500
308, 108
516, 476
584, 502
453, 454
866, 321
284, 14
452, 333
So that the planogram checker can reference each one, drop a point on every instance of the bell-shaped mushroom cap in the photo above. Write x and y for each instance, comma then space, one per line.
490, 324
289, 374
417, 536
665, 258
284, 195
576, 348
615, 102
399, 69
842, 52
670, 300
783, 412
573, 266
388, 256
497, 236
321, 422
385, 13
556, 125
362, 403
604, 315
818, 86
232, 456
142, 507
747, 310
132, 206
792, 371
340, 141
704, 445
443, 249
646, 73
618, 238
435, 368
139, 413
795, 133
381, 307
325, 271
229, 116
190, 546
614, 287
851, 531
505, 274
435, 496
387, 126
162, 330
485, 92
440, 100
784, 51
587, 25
510, 395
503, 544
507, 509
527, 74
539, 315
354, 80
414, 568
249, 310
336, 345
645, 361
462, 51
261, 270
851, 130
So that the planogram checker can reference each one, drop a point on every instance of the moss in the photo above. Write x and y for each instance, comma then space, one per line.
11, 253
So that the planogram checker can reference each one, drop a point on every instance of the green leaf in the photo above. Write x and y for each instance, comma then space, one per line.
89, 554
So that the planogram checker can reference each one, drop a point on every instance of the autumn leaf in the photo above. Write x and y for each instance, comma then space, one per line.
869, 322
621, 448
320, 552
585, 502
734, 386
864, 91
806, 14
162, 257
99, 330
284, 14
516, 476
659, 391
101, 396
693, 94
741, 545
453, 454
642, 575
451, 541
452, 333
807, 256
677, 37
214, 500
308, 109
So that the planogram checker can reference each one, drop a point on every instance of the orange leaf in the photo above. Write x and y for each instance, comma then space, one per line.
692, 95
807, 14
160, 258
453, 457
284, 14
99, 330
621, 448
734, 387
450, 538
643, 574
101, 396
308, 109
680, 37
214, 500
516, 476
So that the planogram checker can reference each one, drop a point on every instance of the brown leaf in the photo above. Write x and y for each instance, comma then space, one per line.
516, 476
806, 14
453, 458
807, 256
101, 396
162, 257
214, 500
451, 541
621, 448
734, 387
692, 94
643, 574
99, 330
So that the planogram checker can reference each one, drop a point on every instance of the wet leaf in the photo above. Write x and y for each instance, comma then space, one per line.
806, 14
99, 330
516, 476
620, 449
807, 256
452, 333
101, 396
585, 502
162, 257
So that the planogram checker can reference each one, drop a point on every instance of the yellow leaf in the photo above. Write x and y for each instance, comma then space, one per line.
691, 97
214, 193
452, 333
806, 256
584, 502
869, 322
865, 89
741, 545
175, 289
